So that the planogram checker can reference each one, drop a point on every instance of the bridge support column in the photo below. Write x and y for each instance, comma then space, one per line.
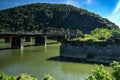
7, 39
40, 40
28, 39
16, 42
61, 38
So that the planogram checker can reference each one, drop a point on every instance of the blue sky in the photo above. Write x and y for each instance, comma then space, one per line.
109, 9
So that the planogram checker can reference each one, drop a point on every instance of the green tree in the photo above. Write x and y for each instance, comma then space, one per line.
20, 77
48, 77
116, 70
115, 33
100, 74
101, 34
79, 33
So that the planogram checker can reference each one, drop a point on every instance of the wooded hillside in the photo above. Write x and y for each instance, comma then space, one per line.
33, 17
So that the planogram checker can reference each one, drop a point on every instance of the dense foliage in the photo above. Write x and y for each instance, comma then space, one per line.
100, 74
115, 33
48, 77
33, 17
23, 77
101, 34
97, 34
20, 77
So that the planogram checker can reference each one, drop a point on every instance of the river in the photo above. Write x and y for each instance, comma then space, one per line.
39, 60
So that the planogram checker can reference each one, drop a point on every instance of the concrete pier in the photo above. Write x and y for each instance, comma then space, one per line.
40, 40
16, 42
61, 38
28, 39
7, 39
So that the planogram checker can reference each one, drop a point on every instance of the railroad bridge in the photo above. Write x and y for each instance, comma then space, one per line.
40, 37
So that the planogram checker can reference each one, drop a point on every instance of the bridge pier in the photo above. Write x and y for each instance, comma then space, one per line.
40, 40
16, 42
61, 38
28, 39
7, 39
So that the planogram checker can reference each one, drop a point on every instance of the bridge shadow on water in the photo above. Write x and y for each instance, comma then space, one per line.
52, 43
29, 45
5, 48
63, 59
8, 48
73, 60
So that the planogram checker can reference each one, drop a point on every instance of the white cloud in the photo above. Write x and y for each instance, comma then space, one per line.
89, 1
117, 8
78, 3
71, 2
115, 16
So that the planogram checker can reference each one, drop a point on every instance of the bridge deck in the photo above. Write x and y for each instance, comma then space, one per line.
20, 34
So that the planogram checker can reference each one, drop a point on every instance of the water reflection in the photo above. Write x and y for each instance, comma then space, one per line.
75, 68
45, 48
22, 53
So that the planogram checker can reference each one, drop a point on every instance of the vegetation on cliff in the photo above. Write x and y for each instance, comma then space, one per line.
96, 35
99, 34
34, 17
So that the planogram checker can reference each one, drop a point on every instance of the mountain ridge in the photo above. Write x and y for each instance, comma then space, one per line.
33, 17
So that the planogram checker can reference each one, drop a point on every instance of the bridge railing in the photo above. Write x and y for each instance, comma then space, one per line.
20, 32
43, 32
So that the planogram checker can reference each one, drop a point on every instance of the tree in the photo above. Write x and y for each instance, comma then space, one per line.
79, 33
101, 34
100, 74
115, 33
48, 77
116, 70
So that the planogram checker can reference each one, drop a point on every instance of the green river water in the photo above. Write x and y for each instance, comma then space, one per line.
39, 60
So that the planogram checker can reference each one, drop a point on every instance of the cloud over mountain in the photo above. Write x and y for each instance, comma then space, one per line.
115, 15
78, 3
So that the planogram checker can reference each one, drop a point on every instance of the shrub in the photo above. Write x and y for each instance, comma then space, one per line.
116, 70
48, 77
100, 74
20, 77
